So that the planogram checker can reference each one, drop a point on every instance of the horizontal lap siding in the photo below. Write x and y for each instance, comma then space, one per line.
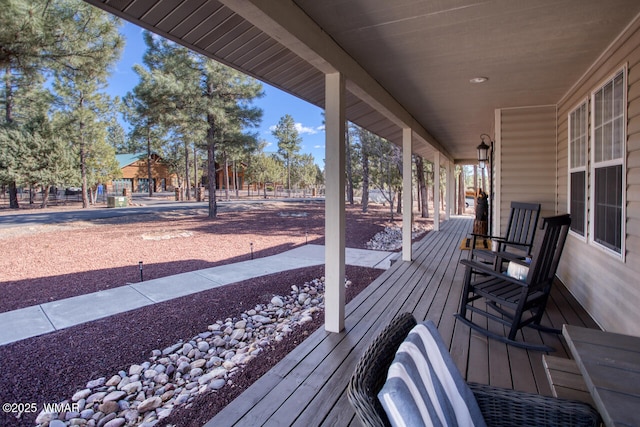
527, 159
608, 287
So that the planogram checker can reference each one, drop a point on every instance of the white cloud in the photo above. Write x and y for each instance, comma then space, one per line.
318, 146
303, 130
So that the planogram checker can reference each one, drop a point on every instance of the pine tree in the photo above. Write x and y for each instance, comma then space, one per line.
288, 143
43, 36
50, 158
173, 98
265, 169
183, 98
147, 109
304, 171
227, 95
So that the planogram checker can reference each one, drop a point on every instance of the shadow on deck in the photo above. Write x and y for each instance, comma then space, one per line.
308, 387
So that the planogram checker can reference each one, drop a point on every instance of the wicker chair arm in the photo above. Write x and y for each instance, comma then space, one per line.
504, 407
371, 371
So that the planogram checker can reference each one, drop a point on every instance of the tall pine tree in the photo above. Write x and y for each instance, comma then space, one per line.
41, 36
289, 141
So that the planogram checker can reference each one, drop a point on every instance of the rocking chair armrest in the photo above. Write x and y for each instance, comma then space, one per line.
511, 243
488, 270
508, 256
497, 258
502, 240
504, 407
487, 236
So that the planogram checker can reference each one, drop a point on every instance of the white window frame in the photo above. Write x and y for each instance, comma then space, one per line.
606, 163
580, 168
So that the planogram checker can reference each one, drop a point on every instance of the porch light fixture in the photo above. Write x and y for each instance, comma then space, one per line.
483, 151
485, 155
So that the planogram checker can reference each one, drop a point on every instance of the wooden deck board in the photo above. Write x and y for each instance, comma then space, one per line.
308, 387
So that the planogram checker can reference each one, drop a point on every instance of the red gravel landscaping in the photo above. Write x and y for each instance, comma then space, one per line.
46, 263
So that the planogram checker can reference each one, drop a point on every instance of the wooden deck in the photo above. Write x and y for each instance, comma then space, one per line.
308, 387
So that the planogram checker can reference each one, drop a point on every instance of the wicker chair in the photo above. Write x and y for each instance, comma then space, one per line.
499, 407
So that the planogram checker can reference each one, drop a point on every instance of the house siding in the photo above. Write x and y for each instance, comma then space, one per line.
606, 285
137, 170
527, 159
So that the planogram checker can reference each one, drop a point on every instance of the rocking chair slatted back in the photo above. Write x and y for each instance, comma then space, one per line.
521, 229
547, 251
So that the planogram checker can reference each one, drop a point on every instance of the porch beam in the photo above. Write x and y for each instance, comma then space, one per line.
436, 191
407, 197
285, 22
334, 202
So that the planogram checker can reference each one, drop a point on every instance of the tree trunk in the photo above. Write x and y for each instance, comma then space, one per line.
211, 167
83, 162
196, 184
45, 196
13, 196
149, 175
225, 175
399, 204
425, 202
475, 181
13, 187
418, 198
349, 169
288, 174
187, 179
235, 179
365, 180
422, 188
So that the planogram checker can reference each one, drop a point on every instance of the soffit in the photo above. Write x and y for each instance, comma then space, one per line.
423, 53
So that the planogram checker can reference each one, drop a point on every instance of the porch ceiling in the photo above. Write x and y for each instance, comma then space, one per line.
407, 62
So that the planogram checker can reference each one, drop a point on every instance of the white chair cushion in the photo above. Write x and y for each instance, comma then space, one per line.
424, 386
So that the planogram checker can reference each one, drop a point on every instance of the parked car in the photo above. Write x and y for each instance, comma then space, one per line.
469, 201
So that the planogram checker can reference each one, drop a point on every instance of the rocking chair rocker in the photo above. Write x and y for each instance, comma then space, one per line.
515, 302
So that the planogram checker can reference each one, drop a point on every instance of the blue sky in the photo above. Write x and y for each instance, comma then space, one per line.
275, 104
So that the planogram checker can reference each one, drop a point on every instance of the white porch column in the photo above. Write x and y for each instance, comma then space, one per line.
334, 203
407, 199
448, 191
436, 191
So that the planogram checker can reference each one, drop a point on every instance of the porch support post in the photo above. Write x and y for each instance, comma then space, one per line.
334, 202
407, 199
436, 191
448, 191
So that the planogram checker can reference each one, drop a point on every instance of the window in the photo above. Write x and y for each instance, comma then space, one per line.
609, 135
578, 131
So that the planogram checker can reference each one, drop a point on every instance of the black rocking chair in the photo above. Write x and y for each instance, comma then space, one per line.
519, 236
512, 301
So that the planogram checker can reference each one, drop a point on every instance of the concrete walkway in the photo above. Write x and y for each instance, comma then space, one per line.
44, 318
